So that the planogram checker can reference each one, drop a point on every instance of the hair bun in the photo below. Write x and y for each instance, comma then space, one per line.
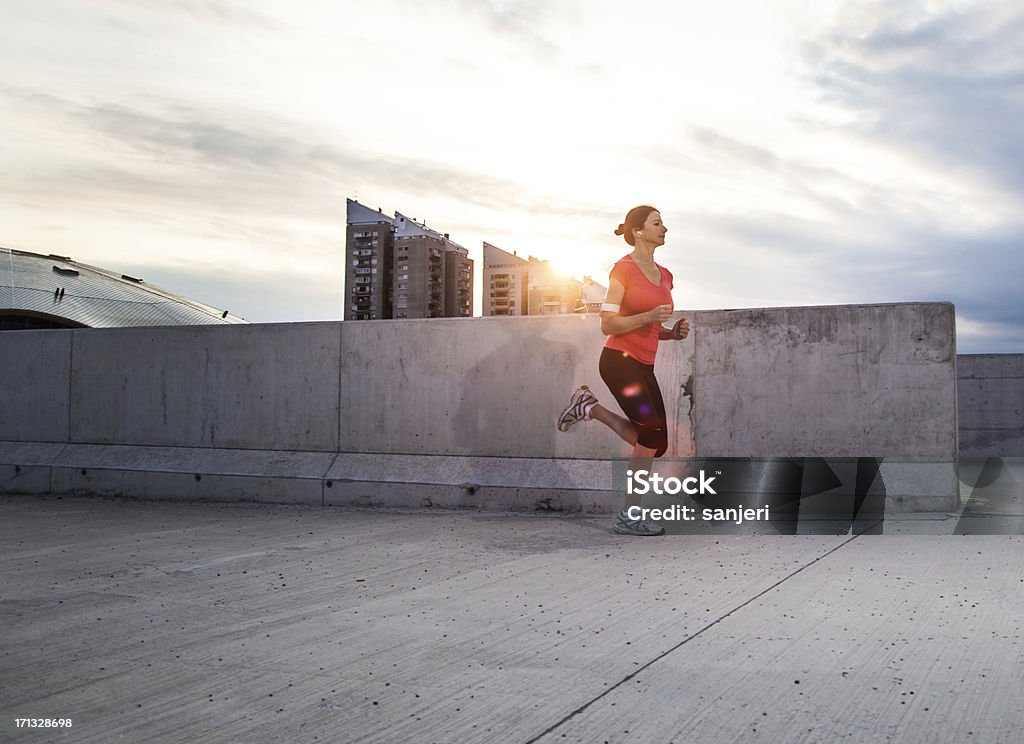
620, 229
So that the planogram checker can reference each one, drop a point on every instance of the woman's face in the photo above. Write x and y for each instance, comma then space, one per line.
653, 231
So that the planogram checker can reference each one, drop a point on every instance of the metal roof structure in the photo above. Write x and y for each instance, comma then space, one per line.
58, 292
357, 214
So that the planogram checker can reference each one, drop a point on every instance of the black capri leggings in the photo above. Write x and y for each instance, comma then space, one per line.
635, 388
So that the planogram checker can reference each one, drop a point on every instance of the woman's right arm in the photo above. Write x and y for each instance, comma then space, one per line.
613, 324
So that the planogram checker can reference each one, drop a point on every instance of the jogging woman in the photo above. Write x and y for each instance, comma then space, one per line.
639, 300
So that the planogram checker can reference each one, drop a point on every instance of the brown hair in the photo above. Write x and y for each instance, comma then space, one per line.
635, 219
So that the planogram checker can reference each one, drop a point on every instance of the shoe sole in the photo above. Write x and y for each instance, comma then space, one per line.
619, 531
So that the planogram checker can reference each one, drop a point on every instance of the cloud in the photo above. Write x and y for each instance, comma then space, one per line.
208, 12
186, 155
986, 337
521, 20
947, 85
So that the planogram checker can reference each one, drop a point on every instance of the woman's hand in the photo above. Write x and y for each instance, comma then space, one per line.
681, 329
659, 314
677, 333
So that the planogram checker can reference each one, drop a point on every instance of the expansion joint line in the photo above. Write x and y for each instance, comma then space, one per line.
686, 640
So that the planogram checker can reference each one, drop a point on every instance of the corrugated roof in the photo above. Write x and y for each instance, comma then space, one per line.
93, 297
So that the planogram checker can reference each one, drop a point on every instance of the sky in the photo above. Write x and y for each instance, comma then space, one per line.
801, 153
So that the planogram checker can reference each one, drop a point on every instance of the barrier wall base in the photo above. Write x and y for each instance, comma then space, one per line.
403, 481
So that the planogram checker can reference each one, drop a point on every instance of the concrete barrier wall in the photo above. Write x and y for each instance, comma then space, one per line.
488, 387
284, 411
255, 387
991, 405
35, 385
838, 381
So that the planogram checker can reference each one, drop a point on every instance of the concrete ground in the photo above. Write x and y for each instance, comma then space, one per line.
167, 622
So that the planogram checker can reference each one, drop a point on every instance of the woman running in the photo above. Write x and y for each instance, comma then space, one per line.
639, 300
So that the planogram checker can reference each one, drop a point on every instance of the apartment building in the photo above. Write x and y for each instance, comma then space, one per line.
399, 268
369, 248
529, 286
506, 280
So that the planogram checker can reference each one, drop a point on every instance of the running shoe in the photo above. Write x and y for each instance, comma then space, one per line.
579, 407
623, 525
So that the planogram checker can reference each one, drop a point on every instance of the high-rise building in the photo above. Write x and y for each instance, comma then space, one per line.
399, 268
433, 276
458, 281
529, 286
369, 245
506, 282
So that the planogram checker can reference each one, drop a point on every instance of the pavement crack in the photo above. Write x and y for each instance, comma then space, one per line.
689, 638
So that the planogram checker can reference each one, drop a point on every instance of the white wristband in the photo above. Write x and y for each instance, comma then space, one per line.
609, 307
